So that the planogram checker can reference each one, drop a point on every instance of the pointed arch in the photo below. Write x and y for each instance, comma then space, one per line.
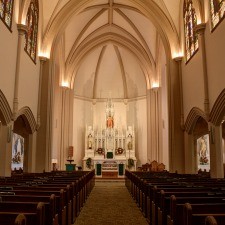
5, 111
150, 9
192, 118
29, 119
218, 111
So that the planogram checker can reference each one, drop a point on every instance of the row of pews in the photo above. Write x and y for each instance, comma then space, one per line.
174, 199
53, 198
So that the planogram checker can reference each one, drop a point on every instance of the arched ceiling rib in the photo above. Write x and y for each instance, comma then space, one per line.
99, 31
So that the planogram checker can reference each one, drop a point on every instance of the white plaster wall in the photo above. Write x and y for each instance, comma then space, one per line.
82, 115
29, 72
193, 84
8, 46
215, 50
137, 116
28, 83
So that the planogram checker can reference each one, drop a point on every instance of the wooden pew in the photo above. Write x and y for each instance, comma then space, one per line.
33, 212
60, 196
210, 220
49, 202
176, 205
196, 213
20, 220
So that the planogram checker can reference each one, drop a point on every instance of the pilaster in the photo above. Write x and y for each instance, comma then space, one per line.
200, 30
22, 29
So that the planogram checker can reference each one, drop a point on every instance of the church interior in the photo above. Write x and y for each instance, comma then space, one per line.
112, 89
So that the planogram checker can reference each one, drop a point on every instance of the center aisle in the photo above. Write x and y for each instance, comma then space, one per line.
110, 203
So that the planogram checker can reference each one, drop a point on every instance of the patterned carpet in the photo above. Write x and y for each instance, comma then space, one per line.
110, 204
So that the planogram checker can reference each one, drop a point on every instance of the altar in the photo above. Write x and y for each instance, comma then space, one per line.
109, 150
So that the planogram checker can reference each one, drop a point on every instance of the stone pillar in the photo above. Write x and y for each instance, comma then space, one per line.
154, 124
149, 157
200, 30
179, 61
22, 29
216, 151
190, 154
64, 137
42, 60
5, 150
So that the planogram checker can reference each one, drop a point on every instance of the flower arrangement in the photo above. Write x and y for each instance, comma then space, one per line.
119, 151
100, 151
88, 163
203, 160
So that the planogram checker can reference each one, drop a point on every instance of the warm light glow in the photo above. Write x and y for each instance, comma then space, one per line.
178, 55
155, 85
65, 84
54, 161
44, 54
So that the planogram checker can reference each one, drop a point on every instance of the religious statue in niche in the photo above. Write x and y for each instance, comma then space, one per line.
203, 151
129, 144
110, 122
90, 140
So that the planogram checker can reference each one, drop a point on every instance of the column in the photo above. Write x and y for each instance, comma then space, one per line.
216, 151
179, 61
190, 154
22, 29
200, 30
42, 61
155, 116
5, 150
64, 123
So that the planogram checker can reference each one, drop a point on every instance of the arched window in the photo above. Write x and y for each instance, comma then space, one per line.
6, 11
190, 21
32, 32
217, 11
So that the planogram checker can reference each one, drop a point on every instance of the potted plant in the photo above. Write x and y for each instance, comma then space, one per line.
88, 163
130, 163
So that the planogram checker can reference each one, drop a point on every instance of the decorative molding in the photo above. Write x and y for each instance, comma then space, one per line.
192, 118
22, 29
200, 28
28, 116
218, 111
5, 110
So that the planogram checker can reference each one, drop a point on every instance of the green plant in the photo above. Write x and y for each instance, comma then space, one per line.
88, 163
130, 163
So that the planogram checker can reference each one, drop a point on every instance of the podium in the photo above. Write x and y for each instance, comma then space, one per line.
70, 167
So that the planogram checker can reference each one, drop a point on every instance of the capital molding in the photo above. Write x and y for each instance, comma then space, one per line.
178, 58
200, 28
43, 59
22, 28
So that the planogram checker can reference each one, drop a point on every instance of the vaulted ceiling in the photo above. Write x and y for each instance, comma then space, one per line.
111, 47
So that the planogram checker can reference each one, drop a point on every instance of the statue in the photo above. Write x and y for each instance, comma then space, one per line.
89, 141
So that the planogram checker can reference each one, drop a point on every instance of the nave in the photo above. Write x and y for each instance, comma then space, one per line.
110, 203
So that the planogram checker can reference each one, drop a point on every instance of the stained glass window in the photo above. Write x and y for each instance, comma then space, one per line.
217, 11
190, 21
32, 32
6, 11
